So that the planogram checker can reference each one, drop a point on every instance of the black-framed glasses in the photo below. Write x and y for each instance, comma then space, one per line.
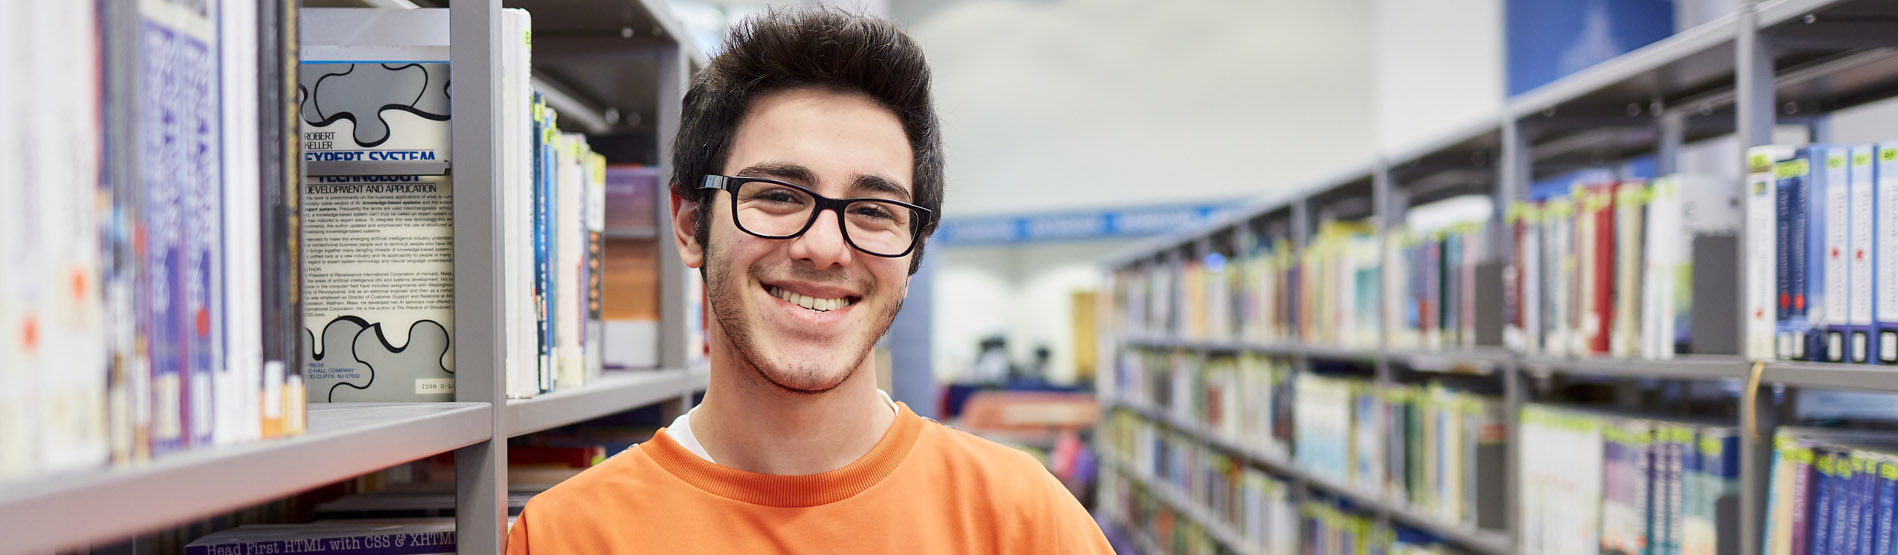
777, 210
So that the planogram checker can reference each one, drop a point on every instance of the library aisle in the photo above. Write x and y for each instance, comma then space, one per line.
1560, 330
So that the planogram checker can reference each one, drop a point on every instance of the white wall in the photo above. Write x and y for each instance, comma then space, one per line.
1439, 68
1067, 104
1022, 292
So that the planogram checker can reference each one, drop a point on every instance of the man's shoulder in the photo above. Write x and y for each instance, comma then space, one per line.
994, 462
627, 472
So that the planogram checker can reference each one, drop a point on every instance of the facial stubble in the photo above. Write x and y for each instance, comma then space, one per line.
724, 296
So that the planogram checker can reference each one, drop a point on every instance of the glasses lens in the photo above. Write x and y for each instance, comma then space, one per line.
880, 227
772, 209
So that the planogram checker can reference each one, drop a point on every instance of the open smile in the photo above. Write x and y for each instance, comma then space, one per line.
817, 302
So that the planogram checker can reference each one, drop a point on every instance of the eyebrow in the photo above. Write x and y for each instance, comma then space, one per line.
800, 175
877, 183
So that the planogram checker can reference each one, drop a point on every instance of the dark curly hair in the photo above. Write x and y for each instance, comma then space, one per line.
821, 48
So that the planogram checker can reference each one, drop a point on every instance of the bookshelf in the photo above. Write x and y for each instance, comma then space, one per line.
349, 439
1769, 62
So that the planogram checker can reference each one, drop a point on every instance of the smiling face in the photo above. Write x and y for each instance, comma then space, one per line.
802, 313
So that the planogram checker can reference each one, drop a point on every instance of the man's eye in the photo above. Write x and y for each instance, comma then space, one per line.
873, 211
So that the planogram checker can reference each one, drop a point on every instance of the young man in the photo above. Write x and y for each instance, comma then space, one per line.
808, 175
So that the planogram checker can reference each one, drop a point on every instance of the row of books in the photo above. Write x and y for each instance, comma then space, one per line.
402, 510
1596, 482
1252, 503
1331, 292
1242, 398
1605, 267
1833, 492
1822, 286
1339, 282
379, 235
1432, 285
1337, 528
1441, 445
147, 224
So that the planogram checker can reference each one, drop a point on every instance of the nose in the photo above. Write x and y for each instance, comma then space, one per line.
823, 244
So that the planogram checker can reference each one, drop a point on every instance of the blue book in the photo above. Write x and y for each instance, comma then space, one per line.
543, 262
1868, 505
1887, 506
1852, 504
1789, 254
1823, 485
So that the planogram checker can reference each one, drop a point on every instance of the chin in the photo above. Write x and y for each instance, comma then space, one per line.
810, 379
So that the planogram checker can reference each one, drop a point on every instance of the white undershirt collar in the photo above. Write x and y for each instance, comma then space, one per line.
681, 429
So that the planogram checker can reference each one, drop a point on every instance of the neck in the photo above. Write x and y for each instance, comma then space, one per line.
749, 424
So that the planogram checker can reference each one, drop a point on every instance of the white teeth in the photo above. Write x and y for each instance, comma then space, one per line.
813, 303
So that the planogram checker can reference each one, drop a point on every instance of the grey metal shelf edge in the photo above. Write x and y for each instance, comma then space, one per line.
618, 391
1685, 366
1863, 377
1196, 512
1483, 541
343, 440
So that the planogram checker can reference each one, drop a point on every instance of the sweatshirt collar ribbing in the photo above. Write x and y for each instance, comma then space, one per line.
791, 491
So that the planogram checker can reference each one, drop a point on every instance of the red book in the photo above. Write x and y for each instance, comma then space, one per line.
1603, 311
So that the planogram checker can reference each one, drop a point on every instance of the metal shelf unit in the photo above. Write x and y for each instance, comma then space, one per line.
1481, 541
345, 439
1768, 62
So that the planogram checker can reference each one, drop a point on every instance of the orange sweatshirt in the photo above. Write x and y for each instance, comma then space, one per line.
924, 488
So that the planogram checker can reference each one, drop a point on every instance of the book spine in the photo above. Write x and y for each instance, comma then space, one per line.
1862, 258
1887, 505
1794, 244
1602, 317
1820, 542
1762, 310
1802, 501
1630, 211
1830, 319
280, 408
1885, 295
1868, 504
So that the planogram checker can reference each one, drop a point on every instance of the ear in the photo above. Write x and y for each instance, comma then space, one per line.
685, 226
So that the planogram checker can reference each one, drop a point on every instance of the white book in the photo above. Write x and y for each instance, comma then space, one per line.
377, 254
571, 256
1860, 256
1532, 283
59, 249
18, 420
1837, 196
517, 187
238, 385
1885, 294
1624, 336
1761, 315
1657, 287
1561, 250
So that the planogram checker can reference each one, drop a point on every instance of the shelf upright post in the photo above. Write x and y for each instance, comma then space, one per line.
1672, 127
480, 479
1512, 186
1384, 212
674, 303
1753, 106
